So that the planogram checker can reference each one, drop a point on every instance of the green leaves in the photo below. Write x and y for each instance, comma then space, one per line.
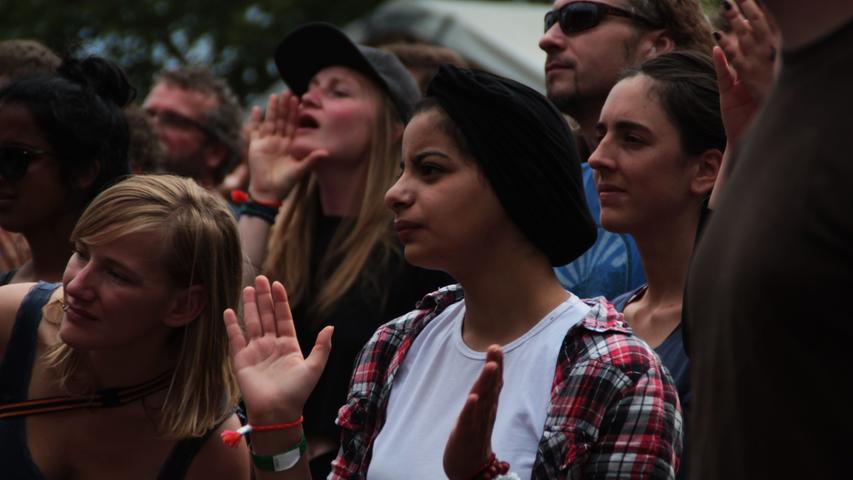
236, 38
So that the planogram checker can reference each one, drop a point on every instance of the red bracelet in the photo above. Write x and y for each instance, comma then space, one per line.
232, 437
240, 197
491, 469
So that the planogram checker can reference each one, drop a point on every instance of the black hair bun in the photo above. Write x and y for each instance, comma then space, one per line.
103, 77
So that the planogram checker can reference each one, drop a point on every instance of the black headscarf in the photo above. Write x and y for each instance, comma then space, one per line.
525, 150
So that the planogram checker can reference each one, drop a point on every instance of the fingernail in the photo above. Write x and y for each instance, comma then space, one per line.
727, 5
717, 35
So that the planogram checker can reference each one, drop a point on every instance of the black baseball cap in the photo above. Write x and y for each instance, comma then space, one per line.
315, 46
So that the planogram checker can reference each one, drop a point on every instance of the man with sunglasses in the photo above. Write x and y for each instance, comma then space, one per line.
588, 45
198, 120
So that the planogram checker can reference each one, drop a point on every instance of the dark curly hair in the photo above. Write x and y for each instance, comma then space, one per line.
79, 111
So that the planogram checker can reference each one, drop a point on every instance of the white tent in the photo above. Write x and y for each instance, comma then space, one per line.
501, 37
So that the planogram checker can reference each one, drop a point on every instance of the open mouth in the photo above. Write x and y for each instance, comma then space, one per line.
306, 121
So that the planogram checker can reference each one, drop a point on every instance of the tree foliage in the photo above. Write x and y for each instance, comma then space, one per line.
235, 38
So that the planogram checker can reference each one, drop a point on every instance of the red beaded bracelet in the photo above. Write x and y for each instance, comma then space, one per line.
232, 437
240, 197
491, 469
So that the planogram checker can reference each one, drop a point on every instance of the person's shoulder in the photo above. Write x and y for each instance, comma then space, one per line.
396, 336
430, 306
604, 337
621, 301
215, 460
11, 297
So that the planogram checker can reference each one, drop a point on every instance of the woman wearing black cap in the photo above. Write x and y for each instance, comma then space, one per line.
331, 155
491, 203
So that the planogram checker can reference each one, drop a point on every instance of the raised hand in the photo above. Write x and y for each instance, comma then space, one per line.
274, 378
746, 62
274, 171
470, 442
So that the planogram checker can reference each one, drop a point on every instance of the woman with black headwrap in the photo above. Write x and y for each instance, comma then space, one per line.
491, 203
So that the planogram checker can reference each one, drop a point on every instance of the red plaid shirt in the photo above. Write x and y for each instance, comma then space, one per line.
614, 410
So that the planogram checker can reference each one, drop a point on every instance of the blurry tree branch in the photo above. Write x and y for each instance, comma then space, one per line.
235, 38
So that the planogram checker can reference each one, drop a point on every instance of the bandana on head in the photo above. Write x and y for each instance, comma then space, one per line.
525, 150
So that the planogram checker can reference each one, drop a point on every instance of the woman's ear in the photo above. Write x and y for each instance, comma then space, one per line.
186, 306
707, 169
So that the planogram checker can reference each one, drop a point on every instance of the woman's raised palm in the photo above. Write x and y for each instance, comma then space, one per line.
274, 378
274, 171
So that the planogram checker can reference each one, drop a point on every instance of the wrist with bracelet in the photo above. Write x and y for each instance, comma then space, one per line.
270, 463
493, 468
263, 209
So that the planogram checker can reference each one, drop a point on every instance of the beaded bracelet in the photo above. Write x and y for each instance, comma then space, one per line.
264, 210
240, 197
232, 437
491, 469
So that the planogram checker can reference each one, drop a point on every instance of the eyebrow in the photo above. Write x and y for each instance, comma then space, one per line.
420, 156
333, 81
125, 269
22, 146
624, 125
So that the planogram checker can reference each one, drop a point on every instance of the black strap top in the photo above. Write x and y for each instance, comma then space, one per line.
15, 371
6, 277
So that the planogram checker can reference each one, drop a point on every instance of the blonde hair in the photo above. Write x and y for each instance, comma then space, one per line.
355, 241
201, 247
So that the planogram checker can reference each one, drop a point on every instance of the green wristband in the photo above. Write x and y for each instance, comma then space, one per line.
281, 461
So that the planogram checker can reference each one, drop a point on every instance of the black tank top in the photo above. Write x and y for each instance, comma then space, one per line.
15, 370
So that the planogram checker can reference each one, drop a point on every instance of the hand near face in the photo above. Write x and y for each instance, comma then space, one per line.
746, 62
274, 171
274, 377
470, 442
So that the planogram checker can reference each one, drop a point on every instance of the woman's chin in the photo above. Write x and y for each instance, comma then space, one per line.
71, 336
422, 259
302, 147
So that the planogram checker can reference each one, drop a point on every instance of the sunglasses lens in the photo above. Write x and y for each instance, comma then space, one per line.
13, 163
550, 19
577, 17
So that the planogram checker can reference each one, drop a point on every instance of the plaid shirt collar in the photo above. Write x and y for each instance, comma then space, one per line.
645, 436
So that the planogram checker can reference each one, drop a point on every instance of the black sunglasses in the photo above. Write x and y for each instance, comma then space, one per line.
14, 161
579, 16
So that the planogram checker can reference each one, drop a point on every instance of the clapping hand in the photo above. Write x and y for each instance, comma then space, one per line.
274, 377
470, 442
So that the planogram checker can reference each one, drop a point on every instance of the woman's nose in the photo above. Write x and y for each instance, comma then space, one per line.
398, 197
79, 281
